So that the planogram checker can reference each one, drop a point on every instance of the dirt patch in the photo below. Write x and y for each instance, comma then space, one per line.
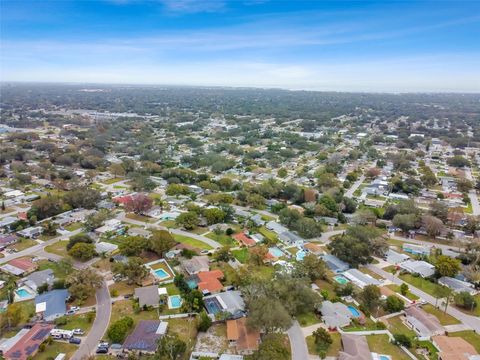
214, 340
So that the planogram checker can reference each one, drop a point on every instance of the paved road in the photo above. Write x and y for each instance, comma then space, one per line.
297, 342
96, 333
471, 321
426, 243
37, 248
261, 212
472, 194
355, 186
325, 237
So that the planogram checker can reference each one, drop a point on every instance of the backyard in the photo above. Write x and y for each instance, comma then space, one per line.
444, 318
57, 347
241, 255
23, 244
59, 248
333, 349
191, 241
382, 345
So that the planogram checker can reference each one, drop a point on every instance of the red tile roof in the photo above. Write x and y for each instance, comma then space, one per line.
23, 263
244, 239
210, 280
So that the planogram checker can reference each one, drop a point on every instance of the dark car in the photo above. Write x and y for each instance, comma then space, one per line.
75, 340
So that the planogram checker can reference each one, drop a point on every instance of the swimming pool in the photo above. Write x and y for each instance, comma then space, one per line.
354, 311
22, 293
213, 306
162, 274
275, 251
341, 279
192, 284
384, 357
174, 301
300, 255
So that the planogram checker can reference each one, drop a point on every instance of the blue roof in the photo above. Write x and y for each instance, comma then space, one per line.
55, 302
335, 263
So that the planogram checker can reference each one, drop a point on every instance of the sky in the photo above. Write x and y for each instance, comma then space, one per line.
361, 46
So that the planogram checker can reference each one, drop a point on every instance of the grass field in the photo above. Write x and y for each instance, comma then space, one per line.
170, 224
23, 244
270, 235
186, 329
59, 248
241, 255
396, 326
57, 347
223, 239
371, 273
308, 319
396, 288
124, 308
420, 283
80, 321
59, 271
138, 217
382, 345
112, 180
74, 226
333, 349
191, 241
444, 318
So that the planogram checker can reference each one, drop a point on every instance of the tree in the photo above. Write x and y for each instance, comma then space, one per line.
433, 226
402, 340
117, 332
404, 289
308, 228
439, 210
214, 215
170, 347
322, 338
465, 300
364, 216
204, 322
312, 267
138, 203
272, 347
82, 284
95, 220
257, 254
117, 170
84, 197
133, 270
405, 222
464, 185
394, 304
49, 228
161, 241
189, 220
177, 189
439, 292
447, 266
223, 254
133, 245
458, 161
370, 297
82, 251
351, 249
78, 238
268, 315
46, 207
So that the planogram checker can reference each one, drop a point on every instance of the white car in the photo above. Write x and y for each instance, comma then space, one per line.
78, 332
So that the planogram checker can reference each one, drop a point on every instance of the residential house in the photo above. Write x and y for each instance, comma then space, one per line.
103, 247
8, 239
144, 339
423, 268
149, 295
313, 248
395, 258
360, 279
229, 301
7, 222
416, 249
31, 232
111, 225
458, 286
52, 304
196, 264
25, 346
20, 266
257, 220
245, 340
276, 227
423, 323
209, 281
454, 348
335, 315
244, 239
290, 238
355, 347
38, 278
335, 264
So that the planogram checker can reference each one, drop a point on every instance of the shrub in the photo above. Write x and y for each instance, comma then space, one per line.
204, 322
465, 300
117, 332
402, 340
61, 321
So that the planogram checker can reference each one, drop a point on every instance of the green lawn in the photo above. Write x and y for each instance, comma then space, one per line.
469, 336
241, 255
59, 271
382, 345
58, 248
476, 311
192, 242
112, 180
396, 288
187, 331
57, 347
444, 318
420, 283
396, 326
169, 224
138, 217
121, 288
308, 319
270, 235
23, 244
371, 273
333, 349
80, 321
223, 239
124, 308
74, 226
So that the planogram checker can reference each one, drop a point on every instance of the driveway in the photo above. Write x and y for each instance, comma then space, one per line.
355, 186
471, 321
297, 342
99, 327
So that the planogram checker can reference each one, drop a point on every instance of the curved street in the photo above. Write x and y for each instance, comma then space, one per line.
99, 327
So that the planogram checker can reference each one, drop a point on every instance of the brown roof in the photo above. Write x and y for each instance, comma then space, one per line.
209, 280
314, 248
244, 239
355, 347
428, 320
454, 348
23, 263
246, 339
28, 344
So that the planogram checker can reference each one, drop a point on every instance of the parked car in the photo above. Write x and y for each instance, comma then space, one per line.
74, 308
102, 350
74, 340
78, 332
70, 312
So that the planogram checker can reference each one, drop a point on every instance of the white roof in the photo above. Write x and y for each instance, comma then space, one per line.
162, 291
162, 328
40, 307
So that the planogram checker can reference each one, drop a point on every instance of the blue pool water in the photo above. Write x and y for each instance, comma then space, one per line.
383, 357
354, 312
275, 251
174, 301
162, 274
192, 284
213, 306
22, 293
300, 255
341, 279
